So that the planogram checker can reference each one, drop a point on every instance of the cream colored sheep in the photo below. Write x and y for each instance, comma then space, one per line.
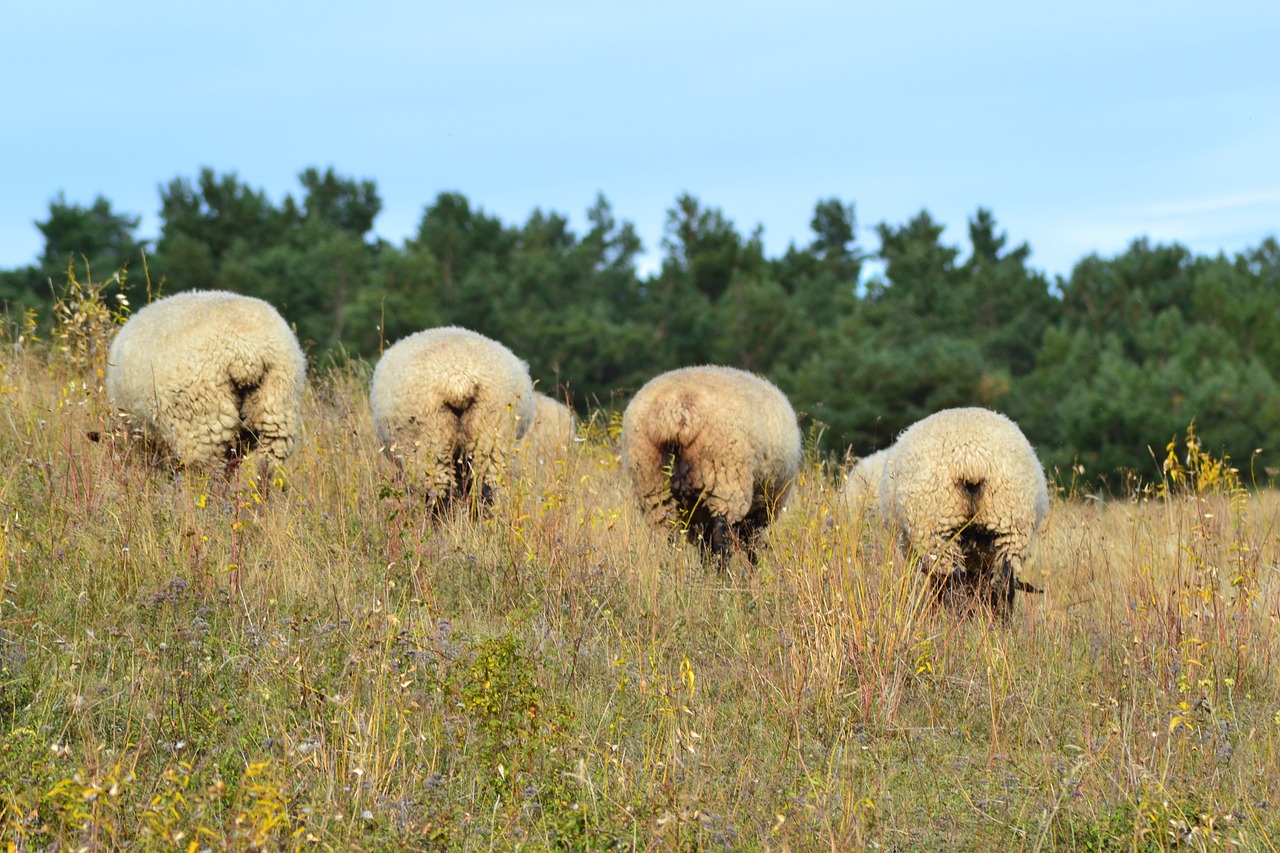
967, 492
715, 448
862, 486
210, 375
448, 407
551, 433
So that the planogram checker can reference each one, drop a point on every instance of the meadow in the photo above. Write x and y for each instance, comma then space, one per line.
196, 662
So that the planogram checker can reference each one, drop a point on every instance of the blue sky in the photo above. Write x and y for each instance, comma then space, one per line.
1081, 126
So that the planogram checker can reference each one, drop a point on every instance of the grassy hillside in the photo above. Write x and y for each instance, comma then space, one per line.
193, 664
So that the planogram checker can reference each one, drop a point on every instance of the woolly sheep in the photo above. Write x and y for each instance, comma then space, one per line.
448, 406
210, 375
551, 431
862, 486
967, 492
716, 446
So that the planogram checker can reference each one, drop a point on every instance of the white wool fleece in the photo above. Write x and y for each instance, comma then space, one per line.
551, 433
962, 464
863, 482
735, 435
449, 393
204, 371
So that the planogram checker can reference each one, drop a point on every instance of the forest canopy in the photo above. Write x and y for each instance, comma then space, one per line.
1101, 368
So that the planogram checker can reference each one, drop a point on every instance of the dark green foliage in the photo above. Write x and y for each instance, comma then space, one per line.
21, 289
338, 203
205, 221
1098, 369
1148, 342
311, 259
928, 334
97, 233
95, 236
702, 245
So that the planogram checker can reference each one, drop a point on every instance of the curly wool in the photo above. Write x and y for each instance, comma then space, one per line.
210, 374
862, 486
716, 444
967, 491
551, 432
449, 405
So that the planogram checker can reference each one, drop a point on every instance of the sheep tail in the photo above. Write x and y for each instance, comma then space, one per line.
248, 373
459, 392
971, 489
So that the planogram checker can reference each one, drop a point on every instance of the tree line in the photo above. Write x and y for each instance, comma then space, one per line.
1100, 368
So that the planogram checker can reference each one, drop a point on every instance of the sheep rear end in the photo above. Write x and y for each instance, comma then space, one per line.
968, 493
713, 450
448, 405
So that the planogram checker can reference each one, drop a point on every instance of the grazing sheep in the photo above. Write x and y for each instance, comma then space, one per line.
715, 447
211, 375
864, 480
551, 432
448, 406
967, 492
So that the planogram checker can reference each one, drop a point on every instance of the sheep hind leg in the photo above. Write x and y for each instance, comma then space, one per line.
206, 432
720, 540
269, 401
959, 591
475, 482
459, 486
750, 532
1022, 586
1001, 587
750, 538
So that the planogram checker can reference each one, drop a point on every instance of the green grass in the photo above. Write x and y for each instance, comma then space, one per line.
189, 663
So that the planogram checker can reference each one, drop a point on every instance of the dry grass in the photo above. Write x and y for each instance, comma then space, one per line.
196, 664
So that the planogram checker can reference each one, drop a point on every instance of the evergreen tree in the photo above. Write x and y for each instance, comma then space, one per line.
96, 233
1102, 370
96, 236
309, 259
1147, 342
204, 221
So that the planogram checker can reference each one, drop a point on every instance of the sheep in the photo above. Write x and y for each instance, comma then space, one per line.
862, 486
551, 432
210, 376
967, 493
448, 406
714, 447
